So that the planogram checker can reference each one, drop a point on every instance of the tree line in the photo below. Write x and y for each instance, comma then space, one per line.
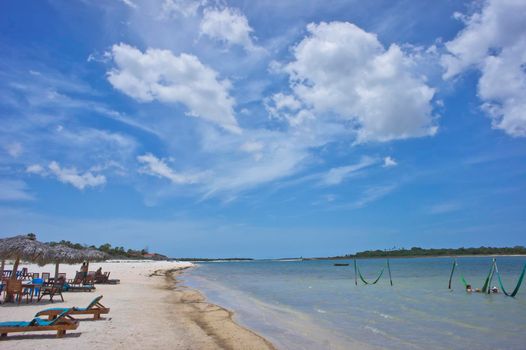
417, 251
114, 252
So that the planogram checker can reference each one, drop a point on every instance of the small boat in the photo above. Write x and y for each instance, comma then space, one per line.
341, 264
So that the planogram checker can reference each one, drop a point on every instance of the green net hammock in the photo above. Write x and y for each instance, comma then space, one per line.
358, 273
487, 282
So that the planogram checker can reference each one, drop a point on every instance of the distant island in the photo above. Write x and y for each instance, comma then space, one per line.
422, 252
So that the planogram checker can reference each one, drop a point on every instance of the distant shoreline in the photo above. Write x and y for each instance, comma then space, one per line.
418, 256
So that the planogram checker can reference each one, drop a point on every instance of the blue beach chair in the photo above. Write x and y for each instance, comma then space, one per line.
60, 324
94, 308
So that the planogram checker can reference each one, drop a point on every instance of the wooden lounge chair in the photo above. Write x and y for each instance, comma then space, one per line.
60, 324
94, 308
105, 279
77, 284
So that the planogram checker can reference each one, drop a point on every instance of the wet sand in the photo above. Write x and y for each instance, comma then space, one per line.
149, 309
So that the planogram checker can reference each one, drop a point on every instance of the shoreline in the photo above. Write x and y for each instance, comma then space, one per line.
150, 309
414, 257
216, 321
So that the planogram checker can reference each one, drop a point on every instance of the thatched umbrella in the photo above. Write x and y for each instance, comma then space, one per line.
24, 247
65, 254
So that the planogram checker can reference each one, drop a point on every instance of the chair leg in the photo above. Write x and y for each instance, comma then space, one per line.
60, 333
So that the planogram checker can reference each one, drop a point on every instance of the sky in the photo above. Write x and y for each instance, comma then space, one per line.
264, 128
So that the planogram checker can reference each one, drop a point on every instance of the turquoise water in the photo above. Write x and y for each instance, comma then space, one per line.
315, 305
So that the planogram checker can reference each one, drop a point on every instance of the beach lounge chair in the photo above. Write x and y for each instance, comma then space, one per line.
90, 278
77, 284
60, 324
105, 279
94, 308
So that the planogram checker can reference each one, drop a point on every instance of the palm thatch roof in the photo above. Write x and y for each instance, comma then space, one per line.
25, 247
65, 254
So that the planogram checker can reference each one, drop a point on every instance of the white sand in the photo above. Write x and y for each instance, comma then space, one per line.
147, 312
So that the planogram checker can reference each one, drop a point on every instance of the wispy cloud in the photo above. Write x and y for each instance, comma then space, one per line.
445, 207
158, 167
389, 162
14, 190
336, 175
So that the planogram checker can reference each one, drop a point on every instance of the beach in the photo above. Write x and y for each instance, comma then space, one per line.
149, 309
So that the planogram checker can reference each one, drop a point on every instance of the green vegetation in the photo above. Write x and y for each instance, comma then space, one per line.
115, 252
422, 252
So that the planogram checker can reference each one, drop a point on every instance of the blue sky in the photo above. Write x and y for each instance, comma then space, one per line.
264, 129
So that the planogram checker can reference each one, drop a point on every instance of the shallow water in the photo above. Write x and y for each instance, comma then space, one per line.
316, 305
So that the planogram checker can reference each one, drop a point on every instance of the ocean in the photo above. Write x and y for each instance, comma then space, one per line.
316, 305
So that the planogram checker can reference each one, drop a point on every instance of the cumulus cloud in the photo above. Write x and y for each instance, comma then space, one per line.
228, 25
161, 75
342, 71
14, 190
336, 175
494, 43
75, 178
282, 106
158, 167
389, 162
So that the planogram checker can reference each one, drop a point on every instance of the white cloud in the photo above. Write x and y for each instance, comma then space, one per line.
282, 106
186, 8
443, 208
336, 175
389, 162
73, 177
340, 70
35, 169
253, 147
14, 190
130, 3
161, 75
158, 167
494, 42
373, 194
228, 25
14, 149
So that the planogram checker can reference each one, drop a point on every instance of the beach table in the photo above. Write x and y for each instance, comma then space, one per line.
30, 288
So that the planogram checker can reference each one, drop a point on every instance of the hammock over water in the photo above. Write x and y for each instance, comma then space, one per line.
358, 273
487, 282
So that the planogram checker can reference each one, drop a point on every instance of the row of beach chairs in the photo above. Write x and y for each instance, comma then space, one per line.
58, 319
